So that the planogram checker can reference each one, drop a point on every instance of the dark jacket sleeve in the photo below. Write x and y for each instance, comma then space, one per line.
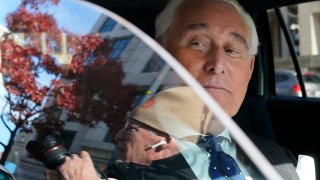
172, 168
281, 158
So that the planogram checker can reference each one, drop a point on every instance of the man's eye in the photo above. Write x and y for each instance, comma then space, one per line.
232, 52
131, 129
199, 45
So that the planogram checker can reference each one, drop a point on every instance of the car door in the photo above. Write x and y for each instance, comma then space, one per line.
145, 69
70, 83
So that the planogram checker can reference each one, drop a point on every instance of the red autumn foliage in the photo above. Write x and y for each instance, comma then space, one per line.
88, 92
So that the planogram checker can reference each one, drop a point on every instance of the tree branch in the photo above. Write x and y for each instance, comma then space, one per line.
3, 144
5, 124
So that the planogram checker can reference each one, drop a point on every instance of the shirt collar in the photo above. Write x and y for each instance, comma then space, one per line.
226, 134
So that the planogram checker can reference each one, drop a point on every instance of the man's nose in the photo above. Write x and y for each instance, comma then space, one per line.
214, 62
216, 69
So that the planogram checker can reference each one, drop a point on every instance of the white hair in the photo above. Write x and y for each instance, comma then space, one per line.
166, 18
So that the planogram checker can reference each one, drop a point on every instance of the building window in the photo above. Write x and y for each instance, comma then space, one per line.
155, 64
118, 47
89, 59
108, 25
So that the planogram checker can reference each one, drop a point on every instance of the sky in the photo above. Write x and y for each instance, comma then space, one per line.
70, 15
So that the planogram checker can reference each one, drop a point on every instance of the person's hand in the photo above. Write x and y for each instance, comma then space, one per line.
78, 167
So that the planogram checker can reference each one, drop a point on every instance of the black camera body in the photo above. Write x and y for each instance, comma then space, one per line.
49, 150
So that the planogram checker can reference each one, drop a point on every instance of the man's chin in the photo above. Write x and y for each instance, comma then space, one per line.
219, 94
225, 100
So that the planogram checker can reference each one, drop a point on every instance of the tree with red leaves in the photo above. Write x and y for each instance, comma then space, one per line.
32, 102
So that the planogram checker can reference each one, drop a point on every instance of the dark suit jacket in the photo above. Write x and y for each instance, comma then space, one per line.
281, 158
176, 167
172, 168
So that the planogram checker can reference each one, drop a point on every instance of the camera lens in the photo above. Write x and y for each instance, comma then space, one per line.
50, 151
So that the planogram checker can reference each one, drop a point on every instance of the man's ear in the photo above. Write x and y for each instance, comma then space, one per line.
252, 58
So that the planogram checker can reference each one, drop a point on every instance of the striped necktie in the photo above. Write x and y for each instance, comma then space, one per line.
222, 165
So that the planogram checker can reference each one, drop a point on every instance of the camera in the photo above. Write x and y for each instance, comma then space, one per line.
49, 150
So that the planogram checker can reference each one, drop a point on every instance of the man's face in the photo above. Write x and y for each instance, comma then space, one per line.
211, 41
134, 143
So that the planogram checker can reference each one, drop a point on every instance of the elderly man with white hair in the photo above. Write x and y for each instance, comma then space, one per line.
216, 41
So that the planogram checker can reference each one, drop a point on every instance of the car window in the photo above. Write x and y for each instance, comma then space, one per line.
72, 83
312, 77
304, 35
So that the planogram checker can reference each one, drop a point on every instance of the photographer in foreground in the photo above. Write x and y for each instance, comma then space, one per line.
147, 150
